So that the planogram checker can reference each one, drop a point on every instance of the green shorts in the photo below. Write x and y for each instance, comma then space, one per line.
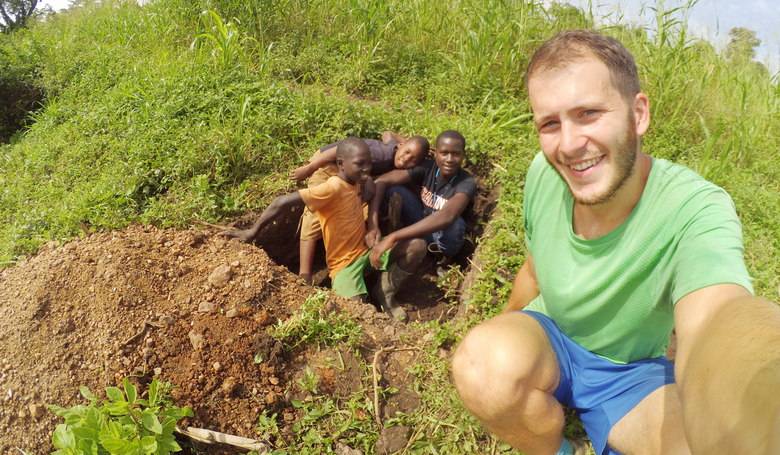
349, 281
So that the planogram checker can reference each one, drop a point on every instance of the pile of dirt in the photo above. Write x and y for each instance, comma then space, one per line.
190, 307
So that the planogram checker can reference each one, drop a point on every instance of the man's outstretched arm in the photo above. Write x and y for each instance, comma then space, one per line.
270, 214
728, 370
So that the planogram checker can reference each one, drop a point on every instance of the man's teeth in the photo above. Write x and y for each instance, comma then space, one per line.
581, 166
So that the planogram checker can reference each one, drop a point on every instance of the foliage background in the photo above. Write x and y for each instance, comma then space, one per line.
163, 114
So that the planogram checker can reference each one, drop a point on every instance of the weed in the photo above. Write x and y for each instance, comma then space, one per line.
313, 323
123, 424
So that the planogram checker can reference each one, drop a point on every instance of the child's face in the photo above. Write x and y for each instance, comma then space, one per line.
407, 155
449, 156
356, 167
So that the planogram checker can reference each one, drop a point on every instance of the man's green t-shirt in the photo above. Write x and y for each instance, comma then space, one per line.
615, 295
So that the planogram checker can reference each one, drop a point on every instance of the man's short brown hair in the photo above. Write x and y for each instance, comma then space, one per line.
570, 46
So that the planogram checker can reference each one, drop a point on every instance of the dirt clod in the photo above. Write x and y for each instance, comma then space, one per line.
220, 276
392, 440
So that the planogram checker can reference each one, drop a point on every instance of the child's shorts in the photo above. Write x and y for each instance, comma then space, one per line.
601, 391
350, 282
310, 224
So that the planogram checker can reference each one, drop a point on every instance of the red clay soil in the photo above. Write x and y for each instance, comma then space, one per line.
188, 306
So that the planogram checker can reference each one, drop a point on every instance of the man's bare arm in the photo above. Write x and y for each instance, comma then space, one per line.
728, 370
525, 287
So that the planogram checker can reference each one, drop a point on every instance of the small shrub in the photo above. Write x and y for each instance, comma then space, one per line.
122, 424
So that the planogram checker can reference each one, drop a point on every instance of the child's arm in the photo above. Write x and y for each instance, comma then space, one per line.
396, 177
388, 136
321, 159
434, 222
268, 216
369, 189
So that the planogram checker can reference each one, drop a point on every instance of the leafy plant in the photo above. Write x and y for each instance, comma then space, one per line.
313, 323
123, 424
223, 35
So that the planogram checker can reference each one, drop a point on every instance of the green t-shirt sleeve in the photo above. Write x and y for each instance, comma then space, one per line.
531, 183
710, 250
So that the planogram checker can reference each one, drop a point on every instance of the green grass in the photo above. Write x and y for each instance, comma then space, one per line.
166, 114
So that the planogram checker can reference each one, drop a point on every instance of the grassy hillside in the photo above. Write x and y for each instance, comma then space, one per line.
164, 114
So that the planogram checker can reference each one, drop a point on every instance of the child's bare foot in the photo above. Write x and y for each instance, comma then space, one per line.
245, 235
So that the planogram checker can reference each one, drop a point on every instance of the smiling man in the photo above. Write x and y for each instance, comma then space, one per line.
622, 247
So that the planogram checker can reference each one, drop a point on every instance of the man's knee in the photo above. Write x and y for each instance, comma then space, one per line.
501, 361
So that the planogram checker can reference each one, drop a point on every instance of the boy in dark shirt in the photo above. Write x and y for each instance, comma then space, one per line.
432, 222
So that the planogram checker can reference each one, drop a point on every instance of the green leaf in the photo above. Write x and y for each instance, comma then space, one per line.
153, 390
149, 444
151, 422
115, 445
63, 437
117, 409
86, 433
130, 391
167, 444
86, 393
114, 394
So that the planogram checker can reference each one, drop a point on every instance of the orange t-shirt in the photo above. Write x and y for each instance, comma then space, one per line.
338, 206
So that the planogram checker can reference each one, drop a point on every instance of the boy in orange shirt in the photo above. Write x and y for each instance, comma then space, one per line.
339, 207
392, 152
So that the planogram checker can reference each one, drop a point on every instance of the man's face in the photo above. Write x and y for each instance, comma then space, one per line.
356, 167
449, 156
408, 155
587, 130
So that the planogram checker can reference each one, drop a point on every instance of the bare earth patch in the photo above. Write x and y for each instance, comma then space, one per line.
188, 306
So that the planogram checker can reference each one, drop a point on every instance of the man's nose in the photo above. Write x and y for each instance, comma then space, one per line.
572, 141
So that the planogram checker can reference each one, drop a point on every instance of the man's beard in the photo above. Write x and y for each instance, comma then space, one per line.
624, 156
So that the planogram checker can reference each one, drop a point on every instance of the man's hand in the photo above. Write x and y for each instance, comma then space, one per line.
378, 249
301, 173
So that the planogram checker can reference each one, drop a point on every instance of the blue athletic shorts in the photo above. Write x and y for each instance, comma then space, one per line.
601, 391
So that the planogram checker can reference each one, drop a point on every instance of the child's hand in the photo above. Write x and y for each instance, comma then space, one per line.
301, 173
381, 246
372, 237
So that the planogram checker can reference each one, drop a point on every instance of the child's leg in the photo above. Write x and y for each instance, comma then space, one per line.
308, 248
310, 227
411, 206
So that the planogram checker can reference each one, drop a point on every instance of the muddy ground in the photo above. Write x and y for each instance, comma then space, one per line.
188, 306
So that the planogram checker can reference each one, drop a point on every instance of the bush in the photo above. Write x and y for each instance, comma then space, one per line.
124, 424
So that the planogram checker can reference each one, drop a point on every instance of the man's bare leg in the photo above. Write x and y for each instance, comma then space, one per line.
308, 247
654, 426
505, 371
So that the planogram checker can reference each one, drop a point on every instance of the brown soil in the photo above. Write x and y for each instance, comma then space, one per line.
192, 308
201, 303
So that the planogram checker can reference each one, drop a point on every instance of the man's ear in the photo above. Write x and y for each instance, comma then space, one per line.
641, 109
